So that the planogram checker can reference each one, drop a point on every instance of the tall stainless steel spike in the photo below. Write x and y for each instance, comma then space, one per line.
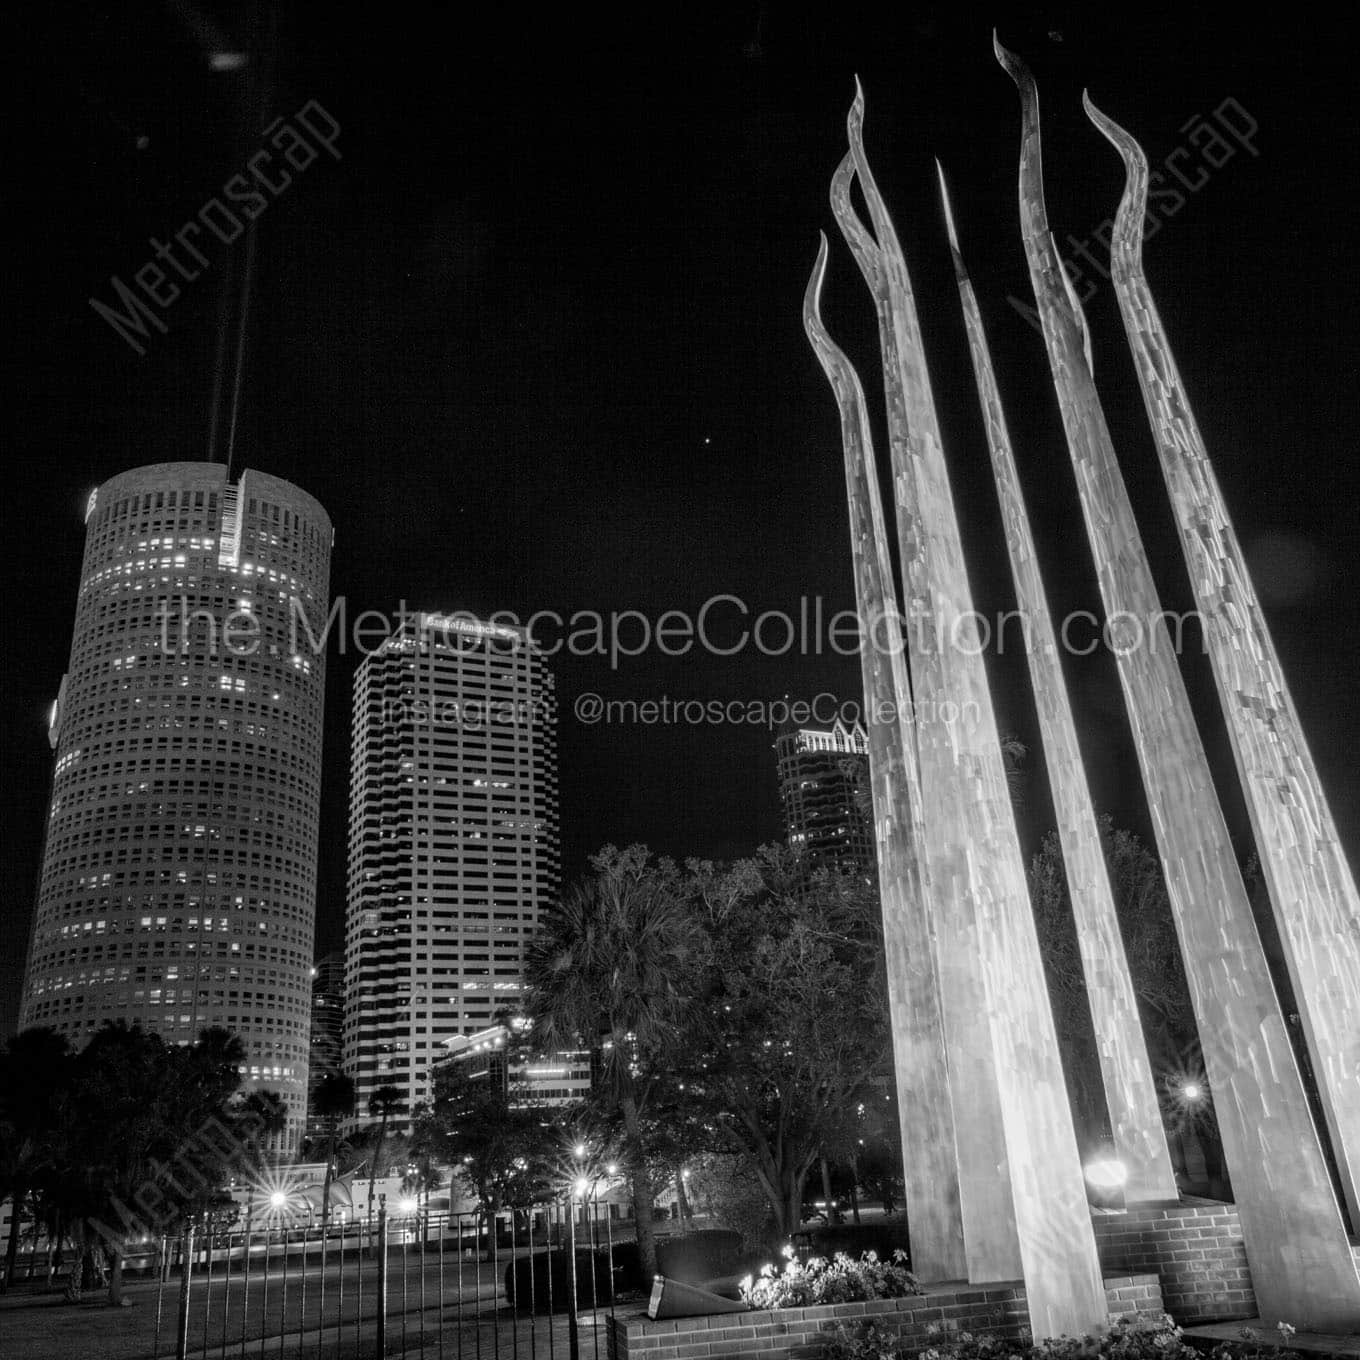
1311, 885
927, 1119
991, 1245
1300, 1259
1130, 1091
963, 776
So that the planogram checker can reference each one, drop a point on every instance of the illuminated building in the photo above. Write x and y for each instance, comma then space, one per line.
453, 841
823, 781
327, 1034
500, 1054
178, 883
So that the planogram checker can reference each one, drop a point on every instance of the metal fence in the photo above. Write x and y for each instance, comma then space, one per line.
417, 1283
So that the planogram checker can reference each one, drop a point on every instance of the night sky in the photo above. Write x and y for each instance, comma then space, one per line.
535, 343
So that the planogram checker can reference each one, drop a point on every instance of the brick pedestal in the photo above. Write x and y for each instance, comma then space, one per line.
801, 1333
1195, 1250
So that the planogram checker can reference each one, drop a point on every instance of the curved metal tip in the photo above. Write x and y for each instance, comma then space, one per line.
960, 269
1010, 62
812, 295
1123, 141
1103, 121
948, 209
856, 115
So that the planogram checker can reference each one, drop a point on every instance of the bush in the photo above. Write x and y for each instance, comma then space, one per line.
840, 1280
699, 1256
854, 1239
550, 1276
1125, 1341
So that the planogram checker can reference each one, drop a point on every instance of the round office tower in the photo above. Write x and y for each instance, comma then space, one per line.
178, 885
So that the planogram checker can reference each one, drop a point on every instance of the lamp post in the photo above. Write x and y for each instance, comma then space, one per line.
579, 1186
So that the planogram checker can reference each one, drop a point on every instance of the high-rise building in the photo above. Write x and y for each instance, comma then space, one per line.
178, 884
500, 1055
326, 1047
823, 786
453, 841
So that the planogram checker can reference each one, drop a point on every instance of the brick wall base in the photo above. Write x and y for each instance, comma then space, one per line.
801, 1333
1195, 1250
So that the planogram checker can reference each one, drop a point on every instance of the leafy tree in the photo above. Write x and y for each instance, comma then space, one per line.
794, 1028
502, 1150
616, 965
35, 1065
142, 1135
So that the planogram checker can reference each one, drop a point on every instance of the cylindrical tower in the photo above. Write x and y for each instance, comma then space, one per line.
178, 885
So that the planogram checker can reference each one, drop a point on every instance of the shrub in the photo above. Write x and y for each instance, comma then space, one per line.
854, 1239
699, 1256
1125, 1341
550, 1274
840, 1280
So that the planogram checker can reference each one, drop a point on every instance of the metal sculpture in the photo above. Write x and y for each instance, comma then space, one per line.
1130, 1092
1301, 1261
927, 1118
975, 870
1311, 886
991, 1246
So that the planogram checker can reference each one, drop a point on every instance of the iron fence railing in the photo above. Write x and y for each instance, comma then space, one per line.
531, 1285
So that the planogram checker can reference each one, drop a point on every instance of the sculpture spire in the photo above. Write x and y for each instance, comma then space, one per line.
1130, 1093
929, 1165
1301, 1260
1311, 886
979, 893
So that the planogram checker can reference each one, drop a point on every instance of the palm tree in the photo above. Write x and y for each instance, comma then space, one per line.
334, 1102
611, 967
382, 1105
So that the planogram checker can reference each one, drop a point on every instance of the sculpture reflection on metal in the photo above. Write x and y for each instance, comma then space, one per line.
927, 1118
1311, 886
991, 1247
976, 872
1130, 1092
1300, 1258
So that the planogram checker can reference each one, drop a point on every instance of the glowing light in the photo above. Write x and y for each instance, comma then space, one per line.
579, 1150
278, 1199
1191, 1090
582, 1186
407, 1205
612, 1168
1105, 1173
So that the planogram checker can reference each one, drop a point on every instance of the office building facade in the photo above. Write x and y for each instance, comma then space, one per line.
178, 881
453, 849
823, 788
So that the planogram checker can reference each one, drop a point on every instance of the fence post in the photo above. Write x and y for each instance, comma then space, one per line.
186, 1276
573, 1325
382, 1277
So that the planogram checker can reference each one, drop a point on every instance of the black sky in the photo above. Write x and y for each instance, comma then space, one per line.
535, 343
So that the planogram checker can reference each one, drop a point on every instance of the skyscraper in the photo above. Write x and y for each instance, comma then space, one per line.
453, 841
178, 883
326, 1046
823, 781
